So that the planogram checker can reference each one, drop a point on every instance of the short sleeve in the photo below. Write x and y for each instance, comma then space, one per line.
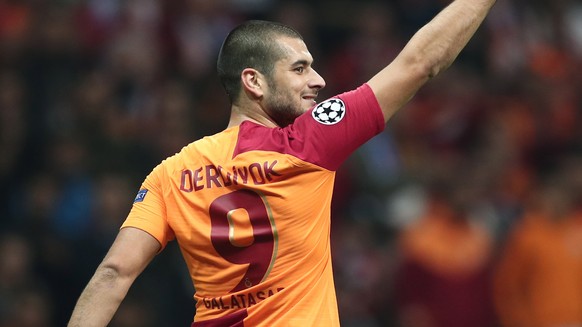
336, 127
148, 212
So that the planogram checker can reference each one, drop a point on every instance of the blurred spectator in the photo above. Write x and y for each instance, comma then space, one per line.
135, 313
31, 308
365, 258
538, 280
369, 43
13, 134
16, 18
198, 27
444, 278
12, 122
24, 302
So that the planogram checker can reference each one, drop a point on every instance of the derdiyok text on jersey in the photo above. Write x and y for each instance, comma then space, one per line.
209, 176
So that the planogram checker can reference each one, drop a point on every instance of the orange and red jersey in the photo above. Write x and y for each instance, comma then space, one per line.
250, 210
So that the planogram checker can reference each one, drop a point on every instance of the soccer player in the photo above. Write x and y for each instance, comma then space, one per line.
250, 206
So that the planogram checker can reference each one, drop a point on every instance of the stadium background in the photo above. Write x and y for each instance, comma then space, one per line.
94, 93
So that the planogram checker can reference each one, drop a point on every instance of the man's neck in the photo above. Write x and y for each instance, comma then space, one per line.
258, 116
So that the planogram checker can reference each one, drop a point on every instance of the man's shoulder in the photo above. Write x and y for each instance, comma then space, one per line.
217, 145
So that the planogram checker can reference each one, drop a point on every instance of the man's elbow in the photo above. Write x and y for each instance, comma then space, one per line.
426, 68
113, 272
427, 64
112, 277
108, 274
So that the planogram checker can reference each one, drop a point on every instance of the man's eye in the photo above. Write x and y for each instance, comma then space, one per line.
299, 69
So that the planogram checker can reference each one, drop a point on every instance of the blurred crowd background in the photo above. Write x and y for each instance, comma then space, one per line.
465, 212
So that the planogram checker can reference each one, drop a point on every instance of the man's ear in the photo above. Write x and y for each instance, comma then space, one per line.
252, 82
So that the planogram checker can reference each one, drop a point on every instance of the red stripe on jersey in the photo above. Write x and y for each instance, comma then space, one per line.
324, 145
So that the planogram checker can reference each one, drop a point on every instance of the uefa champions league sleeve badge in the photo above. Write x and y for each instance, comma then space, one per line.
329, 112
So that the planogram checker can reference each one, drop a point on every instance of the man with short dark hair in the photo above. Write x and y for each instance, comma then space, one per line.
250, 206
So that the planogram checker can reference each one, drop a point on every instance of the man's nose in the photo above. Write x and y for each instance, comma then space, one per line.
317, 81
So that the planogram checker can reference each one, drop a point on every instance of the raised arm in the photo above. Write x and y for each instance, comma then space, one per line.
131, 252
431, 50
